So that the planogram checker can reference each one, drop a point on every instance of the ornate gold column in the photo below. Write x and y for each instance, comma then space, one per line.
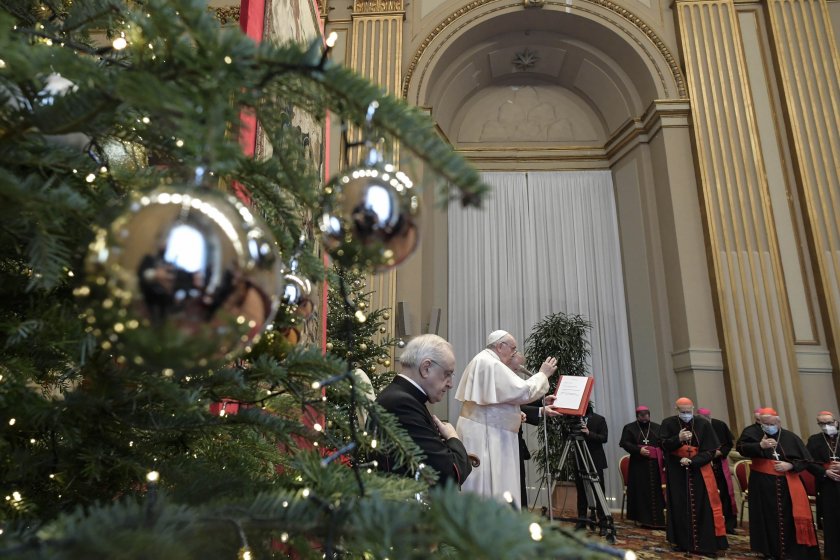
809, 65
753, 316
376, 53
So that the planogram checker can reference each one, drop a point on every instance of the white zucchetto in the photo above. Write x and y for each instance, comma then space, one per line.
496, 336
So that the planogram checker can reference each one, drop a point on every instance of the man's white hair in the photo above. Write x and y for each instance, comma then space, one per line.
425, 346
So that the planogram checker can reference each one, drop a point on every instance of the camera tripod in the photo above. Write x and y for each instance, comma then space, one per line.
588, 475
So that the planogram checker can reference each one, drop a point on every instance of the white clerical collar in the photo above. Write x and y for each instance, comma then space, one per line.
410, 380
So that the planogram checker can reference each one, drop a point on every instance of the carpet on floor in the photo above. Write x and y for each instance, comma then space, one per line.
651, 543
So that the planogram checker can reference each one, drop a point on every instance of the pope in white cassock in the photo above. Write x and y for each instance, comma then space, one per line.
490, 416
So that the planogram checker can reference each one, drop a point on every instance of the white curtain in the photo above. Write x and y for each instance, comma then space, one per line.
545, 242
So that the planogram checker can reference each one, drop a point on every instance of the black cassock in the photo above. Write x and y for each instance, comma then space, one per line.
645, 501
828, 491
691, 523
772, 529
720, 465
408, 403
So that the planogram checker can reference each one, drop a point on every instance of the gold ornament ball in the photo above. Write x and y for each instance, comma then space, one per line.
387, 363
183, 278
363, 346
382, 329
329, 345
361, 305
386, 315
401, 344
370, 217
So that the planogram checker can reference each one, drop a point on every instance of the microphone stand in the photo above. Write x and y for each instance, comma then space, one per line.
548, 476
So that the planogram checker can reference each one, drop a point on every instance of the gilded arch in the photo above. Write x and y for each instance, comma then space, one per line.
670, 76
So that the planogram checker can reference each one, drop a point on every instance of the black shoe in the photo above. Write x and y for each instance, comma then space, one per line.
580, 526
603, 532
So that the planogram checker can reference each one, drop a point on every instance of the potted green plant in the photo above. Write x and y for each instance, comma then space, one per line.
564, 336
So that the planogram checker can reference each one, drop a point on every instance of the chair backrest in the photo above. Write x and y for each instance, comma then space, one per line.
624, 467
809, 483
742, 473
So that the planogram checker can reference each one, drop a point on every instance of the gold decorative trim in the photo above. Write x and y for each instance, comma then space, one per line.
624, 13
368, 7
227, 14
661, 113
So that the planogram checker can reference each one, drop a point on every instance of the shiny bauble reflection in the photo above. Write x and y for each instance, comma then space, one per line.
370, 217
182, 280
297, 295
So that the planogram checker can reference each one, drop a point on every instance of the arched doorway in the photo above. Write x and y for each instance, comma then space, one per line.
586, 86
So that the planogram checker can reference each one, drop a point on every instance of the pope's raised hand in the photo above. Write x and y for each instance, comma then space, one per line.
549, 366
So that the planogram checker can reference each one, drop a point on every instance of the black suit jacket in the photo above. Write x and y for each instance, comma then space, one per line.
724, 435
596, 439
532, 416
408, 404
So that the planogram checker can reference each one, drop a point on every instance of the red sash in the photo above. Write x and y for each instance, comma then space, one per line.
689, 451
802, 520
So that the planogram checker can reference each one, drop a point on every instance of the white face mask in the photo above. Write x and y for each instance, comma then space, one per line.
770, 430
830, 430
686, 416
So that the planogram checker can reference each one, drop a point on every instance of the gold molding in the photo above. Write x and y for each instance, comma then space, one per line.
624, 13
227, 14
369, 7
661, 113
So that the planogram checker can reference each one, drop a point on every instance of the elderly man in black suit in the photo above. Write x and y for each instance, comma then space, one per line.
426, 373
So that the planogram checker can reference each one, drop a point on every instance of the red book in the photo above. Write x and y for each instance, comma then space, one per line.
572, 394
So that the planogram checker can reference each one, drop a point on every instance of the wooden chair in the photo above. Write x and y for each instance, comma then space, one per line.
742, 474
624, 469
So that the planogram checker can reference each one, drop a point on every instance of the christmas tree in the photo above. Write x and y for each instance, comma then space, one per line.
358, 332
116, 117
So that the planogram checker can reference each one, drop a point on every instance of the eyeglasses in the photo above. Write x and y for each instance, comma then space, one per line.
447, 373
826, 423
509, 345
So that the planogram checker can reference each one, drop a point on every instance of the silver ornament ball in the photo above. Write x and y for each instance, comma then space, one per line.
296, 289
183, 279
370, 217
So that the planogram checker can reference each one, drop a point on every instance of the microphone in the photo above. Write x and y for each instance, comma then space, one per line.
525, 371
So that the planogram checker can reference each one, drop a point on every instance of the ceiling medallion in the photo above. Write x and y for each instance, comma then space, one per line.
525, 60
